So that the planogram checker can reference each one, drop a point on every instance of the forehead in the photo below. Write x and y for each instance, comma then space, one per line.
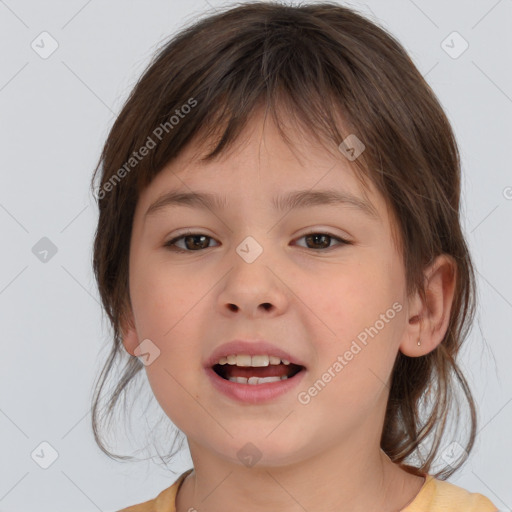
261, 166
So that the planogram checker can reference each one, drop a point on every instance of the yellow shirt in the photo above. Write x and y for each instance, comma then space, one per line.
435, 496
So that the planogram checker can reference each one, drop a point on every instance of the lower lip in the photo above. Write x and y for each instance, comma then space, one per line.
253, 393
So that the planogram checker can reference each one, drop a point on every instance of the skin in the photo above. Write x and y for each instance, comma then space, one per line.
315, 456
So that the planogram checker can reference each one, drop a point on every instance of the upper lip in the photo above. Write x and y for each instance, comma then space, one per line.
252, 348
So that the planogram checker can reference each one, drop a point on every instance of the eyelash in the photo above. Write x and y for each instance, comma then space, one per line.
170, 244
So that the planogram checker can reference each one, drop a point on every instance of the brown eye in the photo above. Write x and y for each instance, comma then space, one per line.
192, 242
322, 240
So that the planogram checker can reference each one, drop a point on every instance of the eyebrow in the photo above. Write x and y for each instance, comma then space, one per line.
292, 201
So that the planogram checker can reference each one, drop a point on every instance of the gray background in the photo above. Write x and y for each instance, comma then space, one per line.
55, 114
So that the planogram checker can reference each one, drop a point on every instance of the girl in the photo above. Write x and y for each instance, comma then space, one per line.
279, 248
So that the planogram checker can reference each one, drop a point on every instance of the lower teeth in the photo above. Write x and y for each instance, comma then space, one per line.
256, 380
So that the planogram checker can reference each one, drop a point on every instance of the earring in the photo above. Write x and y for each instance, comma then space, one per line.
419, 342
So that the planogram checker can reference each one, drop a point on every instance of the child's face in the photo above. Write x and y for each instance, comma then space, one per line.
341, 309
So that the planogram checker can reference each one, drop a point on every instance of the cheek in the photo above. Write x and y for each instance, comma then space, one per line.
161, 297
173, 322
363, 308
351, 298
168, 311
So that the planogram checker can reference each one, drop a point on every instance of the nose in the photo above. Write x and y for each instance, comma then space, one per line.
253, 289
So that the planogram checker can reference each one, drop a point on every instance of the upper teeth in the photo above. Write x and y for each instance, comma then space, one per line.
246, 360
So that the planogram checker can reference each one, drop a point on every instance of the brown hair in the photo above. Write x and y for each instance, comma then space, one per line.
312, 62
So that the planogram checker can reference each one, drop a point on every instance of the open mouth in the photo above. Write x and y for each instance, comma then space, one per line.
257, 374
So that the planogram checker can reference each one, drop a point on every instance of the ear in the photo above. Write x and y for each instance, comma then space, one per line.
129, 334
428, 322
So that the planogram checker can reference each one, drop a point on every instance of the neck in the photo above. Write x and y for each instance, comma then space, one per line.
359, 481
